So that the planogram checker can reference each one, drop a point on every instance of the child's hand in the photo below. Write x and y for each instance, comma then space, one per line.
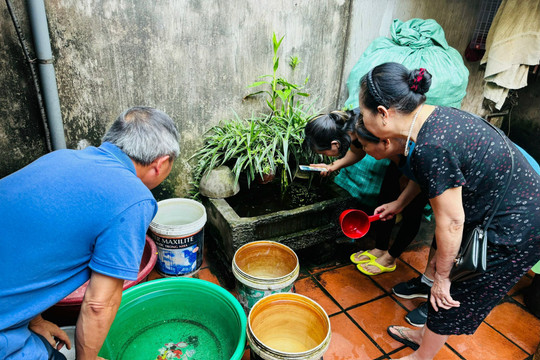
323, 166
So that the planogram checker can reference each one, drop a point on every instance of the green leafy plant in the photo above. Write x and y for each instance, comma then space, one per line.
280, 89
266, 144
246, 143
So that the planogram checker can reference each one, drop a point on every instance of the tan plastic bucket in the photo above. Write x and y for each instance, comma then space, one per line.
288, 326
262, 268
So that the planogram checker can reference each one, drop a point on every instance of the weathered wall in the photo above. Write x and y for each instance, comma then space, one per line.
22, 138
193, 59
187, 58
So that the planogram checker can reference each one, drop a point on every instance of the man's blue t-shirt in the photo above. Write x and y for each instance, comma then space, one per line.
67, 213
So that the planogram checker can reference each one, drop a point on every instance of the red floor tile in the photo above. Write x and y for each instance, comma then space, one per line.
486, 343
519, 298
303, 273
310, 289
348, 286
410, 304
417, 258
401, 274
444, 354
205, 256
319, 269
206, 274
202, 273
376, 316
517, 325
154, 275
521, 284
348, 342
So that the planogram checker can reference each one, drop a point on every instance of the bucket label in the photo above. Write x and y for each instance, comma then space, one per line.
248, 296
175, 243
179, 256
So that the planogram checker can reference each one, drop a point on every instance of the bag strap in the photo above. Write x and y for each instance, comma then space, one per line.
500, 199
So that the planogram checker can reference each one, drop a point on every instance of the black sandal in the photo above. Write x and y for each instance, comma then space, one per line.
404, 339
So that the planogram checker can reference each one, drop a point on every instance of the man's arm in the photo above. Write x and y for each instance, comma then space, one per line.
98, 309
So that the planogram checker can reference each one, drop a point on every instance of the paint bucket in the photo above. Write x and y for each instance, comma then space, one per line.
178, 231
177, 318
355, 223
288, 327
262, 268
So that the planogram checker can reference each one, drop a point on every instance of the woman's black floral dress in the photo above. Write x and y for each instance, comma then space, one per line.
455, 148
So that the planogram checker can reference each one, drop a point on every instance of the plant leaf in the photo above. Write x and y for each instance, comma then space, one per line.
257, 83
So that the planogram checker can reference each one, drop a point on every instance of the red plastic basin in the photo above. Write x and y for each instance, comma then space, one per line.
148, 261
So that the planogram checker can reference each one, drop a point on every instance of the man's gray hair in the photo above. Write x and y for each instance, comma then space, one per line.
144, 134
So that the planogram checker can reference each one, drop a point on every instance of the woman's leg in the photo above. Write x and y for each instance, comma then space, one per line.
390, 191
430, 343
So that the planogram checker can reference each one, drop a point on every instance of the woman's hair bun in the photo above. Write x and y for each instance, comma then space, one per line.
419, 80
340, 118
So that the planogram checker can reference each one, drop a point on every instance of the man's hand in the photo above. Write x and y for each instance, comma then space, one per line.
50, 331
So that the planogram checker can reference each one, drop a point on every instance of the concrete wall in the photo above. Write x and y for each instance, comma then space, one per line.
22, 138
194, 59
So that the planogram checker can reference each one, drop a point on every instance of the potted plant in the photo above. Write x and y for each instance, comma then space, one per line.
255, 149
264, 146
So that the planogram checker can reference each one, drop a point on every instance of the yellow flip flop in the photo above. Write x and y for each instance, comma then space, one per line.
365, 253
376, 264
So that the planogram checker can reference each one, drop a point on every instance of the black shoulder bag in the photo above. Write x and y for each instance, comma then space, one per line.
471, 260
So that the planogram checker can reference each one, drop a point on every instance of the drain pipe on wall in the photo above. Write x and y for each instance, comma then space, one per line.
33, 73
42, 45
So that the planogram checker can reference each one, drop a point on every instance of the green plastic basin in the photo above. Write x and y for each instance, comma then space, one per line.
190, 318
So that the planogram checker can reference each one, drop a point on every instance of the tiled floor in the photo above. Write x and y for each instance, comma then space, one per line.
362, 307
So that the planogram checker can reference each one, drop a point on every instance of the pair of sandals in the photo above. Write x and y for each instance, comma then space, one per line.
372, 261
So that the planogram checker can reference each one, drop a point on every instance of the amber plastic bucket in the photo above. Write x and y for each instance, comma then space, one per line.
262, 268
288, 326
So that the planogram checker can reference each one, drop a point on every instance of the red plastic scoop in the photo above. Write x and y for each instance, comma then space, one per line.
355, 223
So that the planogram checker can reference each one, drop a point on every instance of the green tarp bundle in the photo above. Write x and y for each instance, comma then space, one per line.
415, 43
536, 268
